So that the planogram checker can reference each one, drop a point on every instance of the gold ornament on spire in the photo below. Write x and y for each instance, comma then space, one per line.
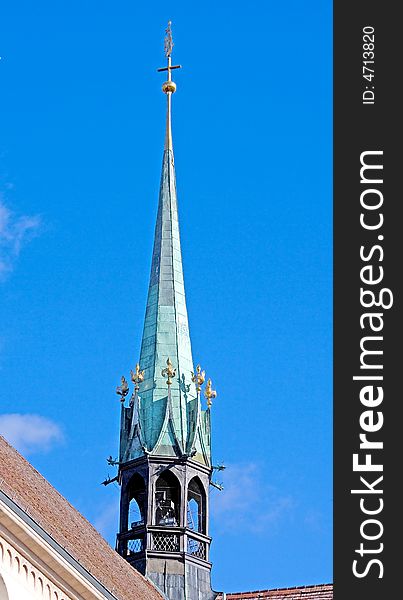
137, 377
169, 372
198, 378
123, 389
209, 393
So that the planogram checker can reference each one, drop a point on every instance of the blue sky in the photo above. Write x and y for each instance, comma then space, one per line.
82, 128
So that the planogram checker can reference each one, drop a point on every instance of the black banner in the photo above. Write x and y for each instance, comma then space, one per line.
368, 360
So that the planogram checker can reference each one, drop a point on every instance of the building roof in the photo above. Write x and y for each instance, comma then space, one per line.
68, 528
307, 592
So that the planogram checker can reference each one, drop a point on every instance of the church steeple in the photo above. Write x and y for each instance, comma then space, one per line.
170, 420
165, 455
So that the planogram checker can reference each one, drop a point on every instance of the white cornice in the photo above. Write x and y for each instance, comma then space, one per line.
27, 537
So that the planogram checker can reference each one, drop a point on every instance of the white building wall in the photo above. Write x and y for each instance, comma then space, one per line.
22, 580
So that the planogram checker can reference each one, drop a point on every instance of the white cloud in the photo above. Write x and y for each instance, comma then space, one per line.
30, 433
15, 231
248, 501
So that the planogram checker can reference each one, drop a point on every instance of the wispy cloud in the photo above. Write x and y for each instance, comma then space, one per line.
249, 501
30, 433
15, 231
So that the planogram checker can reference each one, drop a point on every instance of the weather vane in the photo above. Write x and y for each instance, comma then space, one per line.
168, 42
169, 86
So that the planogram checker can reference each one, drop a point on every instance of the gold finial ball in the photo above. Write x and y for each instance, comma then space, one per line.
169, 86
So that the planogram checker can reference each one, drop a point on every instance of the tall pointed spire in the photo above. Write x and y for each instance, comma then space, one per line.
165, 459
169, 416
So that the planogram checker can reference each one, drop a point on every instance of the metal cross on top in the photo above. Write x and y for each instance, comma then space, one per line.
168, 46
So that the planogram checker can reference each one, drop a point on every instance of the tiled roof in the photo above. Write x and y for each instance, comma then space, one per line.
51, 511
308, 592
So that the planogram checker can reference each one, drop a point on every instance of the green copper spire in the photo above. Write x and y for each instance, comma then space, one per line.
165, 416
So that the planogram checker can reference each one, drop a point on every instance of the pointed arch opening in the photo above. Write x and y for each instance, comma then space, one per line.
137, 501
196, 506
167, 500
